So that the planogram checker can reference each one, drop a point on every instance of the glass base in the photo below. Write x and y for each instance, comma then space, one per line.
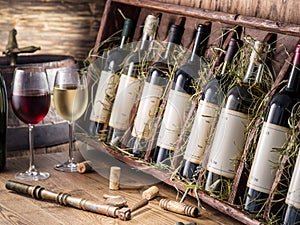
32, 175
67, 167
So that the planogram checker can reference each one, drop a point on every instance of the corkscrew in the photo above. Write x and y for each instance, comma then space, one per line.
65, 199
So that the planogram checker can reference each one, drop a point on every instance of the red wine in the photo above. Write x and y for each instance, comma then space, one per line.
108, 82
230, 135
130, 85
178, 102
207, 114
3, 122
31, 106
157, 79
274, 135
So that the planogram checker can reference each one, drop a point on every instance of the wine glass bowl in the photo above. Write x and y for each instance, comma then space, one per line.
30, 100
70, 96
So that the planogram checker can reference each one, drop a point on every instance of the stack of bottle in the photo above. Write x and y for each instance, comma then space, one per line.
135, 86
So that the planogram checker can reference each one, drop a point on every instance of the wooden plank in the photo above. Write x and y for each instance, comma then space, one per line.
229, 18
277, 10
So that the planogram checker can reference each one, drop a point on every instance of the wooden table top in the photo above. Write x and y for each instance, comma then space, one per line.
21, 209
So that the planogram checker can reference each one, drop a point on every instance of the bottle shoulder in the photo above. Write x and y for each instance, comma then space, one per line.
115, 59
284, 98
184, 82
239, 99
138, 56
279, 109
189, 70
213, 92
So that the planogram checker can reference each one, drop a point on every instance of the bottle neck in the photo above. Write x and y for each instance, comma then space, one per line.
256, 65
200, 42
294, 78
232, 49
124, 41
127, 32
174, 39
149, 32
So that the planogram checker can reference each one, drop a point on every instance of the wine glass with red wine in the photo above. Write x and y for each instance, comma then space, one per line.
30, 100
70, 96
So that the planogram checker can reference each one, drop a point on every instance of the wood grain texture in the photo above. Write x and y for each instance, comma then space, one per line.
58, 27
278, 10
20, 209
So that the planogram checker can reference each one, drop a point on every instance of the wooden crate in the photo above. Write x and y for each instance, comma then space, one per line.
287, 37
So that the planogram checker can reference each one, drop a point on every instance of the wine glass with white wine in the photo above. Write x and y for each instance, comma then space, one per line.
70, 96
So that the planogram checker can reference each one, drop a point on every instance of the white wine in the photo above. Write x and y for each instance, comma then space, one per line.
70, 101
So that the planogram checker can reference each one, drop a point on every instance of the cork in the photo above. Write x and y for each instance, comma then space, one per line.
84, 167
114, 178
179, 208
150, 193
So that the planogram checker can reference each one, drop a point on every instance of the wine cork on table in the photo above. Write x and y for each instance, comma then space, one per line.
150, 193
84, 167
114, 178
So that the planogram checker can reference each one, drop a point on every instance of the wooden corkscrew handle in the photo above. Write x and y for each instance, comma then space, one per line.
65, 199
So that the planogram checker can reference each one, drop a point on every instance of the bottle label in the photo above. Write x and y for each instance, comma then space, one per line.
293, 195
228, 143
126, 98
147, 111
104, 97
263, 169
201, 132
176, 112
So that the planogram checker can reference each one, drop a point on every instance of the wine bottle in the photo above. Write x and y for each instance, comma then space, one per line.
207, 113
159, 76
128, 92
274, 135
108, 82
292, 209
3, 122
178, 102
230, 135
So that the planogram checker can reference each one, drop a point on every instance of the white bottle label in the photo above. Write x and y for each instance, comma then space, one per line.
176, 111
201, 132
104, 97
293, 195
126, 97
263, 169
228, 143
147, 111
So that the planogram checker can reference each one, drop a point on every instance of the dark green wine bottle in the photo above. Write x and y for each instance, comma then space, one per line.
108, 82
230, 135
178, 102
160, 74
274, 135
207, 113
128, 92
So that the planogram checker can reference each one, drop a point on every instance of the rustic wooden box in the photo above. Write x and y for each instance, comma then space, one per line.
112, 21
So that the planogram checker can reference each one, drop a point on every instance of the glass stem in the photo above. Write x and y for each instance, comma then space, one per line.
31, 142
71, 138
